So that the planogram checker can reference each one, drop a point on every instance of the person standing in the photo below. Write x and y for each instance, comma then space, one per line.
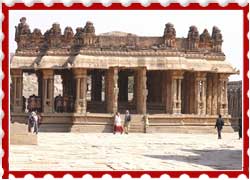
127, 121
30, 121
118, 123
35, 120
240, 128
219, 125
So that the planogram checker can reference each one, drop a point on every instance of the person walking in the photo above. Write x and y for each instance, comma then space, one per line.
118, 123
219, 125
127, 120
240, 128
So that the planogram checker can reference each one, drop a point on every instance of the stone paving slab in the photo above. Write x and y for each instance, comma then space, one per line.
105, 151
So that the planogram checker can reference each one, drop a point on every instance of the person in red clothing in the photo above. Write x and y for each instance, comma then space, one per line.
118, 124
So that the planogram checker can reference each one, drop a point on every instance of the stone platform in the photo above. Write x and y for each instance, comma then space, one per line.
135, 151
103, 122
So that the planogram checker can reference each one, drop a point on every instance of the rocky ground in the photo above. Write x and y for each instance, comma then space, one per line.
105, 151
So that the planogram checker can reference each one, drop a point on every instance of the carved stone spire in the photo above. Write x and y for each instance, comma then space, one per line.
216, 39
22, 34
53, 36
205, 40
89, 34
68, 36
89, 28
169, 35
36, 39
78, 38
193, 38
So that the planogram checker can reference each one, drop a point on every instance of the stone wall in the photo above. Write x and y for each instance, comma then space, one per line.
235, 98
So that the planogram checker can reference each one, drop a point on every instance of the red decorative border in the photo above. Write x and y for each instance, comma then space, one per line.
118, 6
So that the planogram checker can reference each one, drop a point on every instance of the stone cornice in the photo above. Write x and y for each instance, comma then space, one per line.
160, 53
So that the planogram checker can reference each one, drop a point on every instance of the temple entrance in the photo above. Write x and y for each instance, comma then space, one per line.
96, 91
126, 95
156, 89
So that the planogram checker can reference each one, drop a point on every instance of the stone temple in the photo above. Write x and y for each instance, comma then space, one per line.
169, 84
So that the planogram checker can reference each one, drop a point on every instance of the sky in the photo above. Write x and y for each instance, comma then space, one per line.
143, 23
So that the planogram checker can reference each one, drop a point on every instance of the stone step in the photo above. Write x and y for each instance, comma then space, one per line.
55, 127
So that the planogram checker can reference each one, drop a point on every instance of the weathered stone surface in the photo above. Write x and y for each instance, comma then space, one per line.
169, 35
105, 151
86, 38
216, 39
235, 99
193, 38
205, 40
19, 135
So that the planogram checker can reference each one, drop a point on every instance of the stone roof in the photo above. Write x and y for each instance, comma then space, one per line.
105, 61
85, 49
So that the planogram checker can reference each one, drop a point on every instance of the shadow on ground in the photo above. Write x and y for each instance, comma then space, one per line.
216, 159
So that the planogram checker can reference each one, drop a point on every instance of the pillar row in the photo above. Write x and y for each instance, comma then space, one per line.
17, 90
80, 76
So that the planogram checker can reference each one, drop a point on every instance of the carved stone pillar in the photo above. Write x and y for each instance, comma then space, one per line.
214, 94
39, 75
209, 94
142, 92
17, 90
150, 81
222, 91
48, 90
168, 92
116, 90
135, 87
107, 90
200, 93
176, 77
81, 89
112, 90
